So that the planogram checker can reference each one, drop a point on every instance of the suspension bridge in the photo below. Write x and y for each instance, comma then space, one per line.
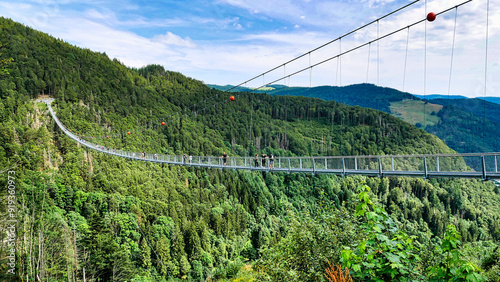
429, 166
423, 165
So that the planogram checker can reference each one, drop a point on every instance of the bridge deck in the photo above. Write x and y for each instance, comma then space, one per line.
430, 166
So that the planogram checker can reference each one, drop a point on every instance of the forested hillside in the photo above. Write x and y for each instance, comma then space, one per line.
477, 106
86, 216
465, 131
364, 95
461, 121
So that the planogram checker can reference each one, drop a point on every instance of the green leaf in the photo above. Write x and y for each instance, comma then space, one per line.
393, 258
371, 216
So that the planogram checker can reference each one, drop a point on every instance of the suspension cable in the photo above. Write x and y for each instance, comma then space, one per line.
485, 73
452, 51
310, 71
378, 54
425, 64
340, 63
368, 64
406, 58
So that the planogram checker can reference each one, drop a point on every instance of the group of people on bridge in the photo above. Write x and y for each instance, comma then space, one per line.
186, 158
263, 158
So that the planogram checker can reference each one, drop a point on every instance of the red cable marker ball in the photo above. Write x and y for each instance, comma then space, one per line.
431, 16
163, 123
232, 98
107, 136
128, 132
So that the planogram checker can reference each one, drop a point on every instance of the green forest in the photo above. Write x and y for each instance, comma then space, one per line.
83, 216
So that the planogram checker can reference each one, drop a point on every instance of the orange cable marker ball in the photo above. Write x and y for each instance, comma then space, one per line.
232, 98
431, 16
83, 135
128, 132
107, 136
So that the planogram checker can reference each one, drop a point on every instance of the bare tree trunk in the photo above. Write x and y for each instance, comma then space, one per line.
38, 262
25, 244
31, 261
41, 269
67, 270
75, 254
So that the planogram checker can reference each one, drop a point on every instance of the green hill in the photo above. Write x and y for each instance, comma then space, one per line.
491, 99
86, 216
476, 106
364, 95
417, 112
472, 114
495, 100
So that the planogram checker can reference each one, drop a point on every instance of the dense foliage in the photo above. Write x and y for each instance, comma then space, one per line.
362, 237
84, 215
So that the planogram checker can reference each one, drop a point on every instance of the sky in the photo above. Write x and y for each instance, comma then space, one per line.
231, 41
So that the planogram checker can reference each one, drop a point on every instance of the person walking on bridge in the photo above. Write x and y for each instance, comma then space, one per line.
264, 156
224, 158
256, 160
271, 161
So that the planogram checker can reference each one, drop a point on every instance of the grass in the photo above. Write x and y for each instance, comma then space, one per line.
412, 111
268, 88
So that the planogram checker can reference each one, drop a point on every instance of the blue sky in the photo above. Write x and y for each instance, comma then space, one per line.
230, 41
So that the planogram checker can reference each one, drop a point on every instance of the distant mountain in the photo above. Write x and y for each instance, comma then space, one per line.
495, 100
438, 96
476, 106
467, 125
227, 87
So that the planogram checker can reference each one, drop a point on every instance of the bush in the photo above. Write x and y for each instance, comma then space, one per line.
451, 267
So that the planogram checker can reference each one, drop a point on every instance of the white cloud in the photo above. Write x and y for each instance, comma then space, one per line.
171, 39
